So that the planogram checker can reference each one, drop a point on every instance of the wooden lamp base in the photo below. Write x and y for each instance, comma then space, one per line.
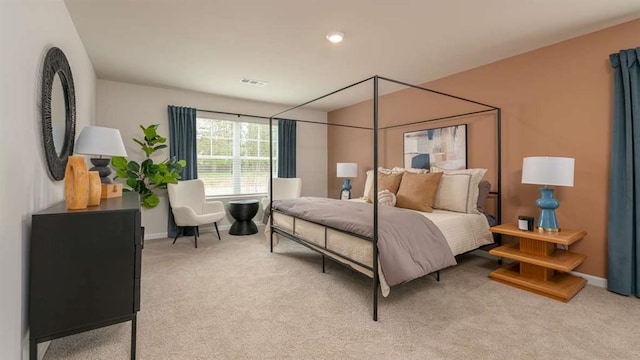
111, 191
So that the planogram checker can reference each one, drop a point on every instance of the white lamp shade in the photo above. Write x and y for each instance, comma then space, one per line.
98, 140
347, 170
546, 170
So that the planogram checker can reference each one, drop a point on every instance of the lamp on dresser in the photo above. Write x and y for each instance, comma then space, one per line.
346, 171
546, 170
101, 141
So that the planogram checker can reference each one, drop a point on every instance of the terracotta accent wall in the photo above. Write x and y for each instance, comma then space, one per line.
555, 101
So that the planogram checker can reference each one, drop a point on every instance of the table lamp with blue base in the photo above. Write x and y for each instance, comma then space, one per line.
346, 171
346, 184
545, 170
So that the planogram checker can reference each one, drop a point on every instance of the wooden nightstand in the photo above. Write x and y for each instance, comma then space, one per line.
541, 267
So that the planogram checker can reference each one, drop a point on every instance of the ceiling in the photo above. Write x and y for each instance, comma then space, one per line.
210, 45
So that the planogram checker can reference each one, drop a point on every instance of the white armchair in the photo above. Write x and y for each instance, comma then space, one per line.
190, 208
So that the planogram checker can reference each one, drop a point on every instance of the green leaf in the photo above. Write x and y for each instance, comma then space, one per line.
147, 150
170, 180
150, 132
151, 201
133, 166
157, 179
118, 162
159, 147
145, 165
182, 163
160, 139
152, 171
121, 174
132, 183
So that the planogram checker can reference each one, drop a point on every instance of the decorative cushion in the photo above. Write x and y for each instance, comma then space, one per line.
484, 188
417, 191
387, 198
368, 183
389, 182
412, 170
458, 191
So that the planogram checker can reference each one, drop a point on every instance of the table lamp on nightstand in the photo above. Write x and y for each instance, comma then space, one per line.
346, 171
546, 170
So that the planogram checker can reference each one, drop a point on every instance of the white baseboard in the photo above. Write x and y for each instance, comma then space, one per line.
592, 280
164, 235
224, 227
155, 236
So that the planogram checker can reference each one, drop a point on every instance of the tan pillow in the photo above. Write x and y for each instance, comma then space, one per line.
417, 191
389, 182
368, 183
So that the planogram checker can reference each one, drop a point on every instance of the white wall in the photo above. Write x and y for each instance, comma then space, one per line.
27, 30
126, 106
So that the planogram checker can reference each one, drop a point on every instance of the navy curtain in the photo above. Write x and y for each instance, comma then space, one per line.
624, 186
286, 148
182, 145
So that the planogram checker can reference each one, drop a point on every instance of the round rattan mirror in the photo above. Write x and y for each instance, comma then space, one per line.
58, 112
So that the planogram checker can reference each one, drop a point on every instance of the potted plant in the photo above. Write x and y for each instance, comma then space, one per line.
146, 177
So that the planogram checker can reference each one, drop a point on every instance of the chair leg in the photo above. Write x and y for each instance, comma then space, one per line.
196, 236
177, 234
198, 230
216, 225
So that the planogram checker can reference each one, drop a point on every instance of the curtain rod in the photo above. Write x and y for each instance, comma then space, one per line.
275, 118
233, 114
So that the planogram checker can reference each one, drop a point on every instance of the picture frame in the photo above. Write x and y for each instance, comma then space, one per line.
436, 149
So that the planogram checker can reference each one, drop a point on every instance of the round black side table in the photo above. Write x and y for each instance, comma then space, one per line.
243, 211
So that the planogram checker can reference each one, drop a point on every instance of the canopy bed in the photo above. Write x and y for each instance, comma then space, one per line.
387, 244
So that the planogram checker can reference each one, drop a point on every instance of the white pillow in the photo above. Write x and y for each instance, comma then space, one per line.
368, 184
411, 170
458, 191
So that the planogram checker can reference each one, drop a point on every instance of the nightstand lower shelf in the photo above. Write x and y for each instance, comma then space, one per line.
561, 286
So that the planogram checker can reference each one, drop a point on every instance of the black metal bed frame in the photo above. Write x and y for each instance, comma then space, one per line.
376, 129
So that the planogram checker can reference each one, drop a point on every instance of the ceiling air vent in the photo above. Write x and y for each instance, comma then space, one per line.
258, 83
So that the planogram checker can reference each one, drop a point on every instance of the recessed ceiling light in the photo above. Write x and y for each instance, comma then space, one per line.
335, 37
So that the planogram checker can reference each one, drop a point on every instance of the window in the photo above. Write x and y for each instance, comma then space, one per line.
233, 156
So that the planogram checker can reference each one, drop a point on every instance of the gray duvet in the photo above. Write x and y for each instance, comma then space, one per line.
409, 244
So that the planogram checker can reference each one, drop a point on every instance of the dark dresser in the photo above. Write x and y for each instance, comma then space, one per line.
84, 269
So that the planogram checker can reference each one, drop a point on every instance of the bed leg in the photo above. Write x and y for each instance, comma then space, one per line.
323, 264
271, 239
500, 261
376, 282
375, 302
438, 275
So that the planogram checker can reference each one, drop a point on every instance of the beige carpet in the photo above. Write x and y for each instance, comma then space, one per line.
232, 299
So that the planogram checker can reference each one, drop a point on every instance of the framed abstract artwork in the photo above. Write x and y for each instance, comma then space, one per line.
436, 149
